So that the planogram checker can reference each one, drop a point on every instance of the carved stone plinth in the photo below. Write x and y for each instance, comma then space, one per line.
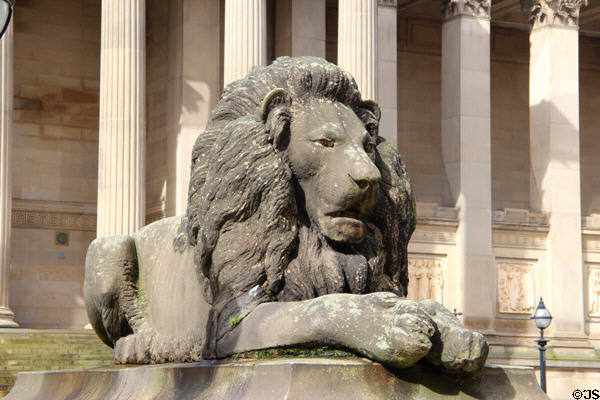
312, 378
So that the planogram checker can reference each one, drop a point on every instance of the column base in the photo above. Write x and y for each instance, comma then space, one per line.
7, 318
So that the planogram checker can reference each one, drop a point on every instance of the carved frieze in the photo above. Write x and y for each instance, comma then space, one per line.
519, 239
477, 8
425, 279
593, 284
53, 215
65, 216
516, 289
554, 12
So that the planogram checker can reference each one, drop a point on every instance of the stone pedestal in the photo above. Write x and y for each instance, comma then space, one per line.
245, 37
357, 43
6, 109
466, 150
555, 162
291, 379
122, 137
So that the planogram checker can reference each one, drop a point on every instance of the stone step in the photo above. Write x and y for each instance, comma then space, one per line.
64, 352
49, 350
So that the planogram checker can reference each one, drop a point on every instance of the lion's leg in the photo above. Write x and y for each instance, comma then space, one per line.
381, 326
454, 346
106, 267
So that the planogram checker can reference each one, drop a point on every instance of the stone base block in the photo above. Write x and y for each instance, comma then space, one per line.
309, 378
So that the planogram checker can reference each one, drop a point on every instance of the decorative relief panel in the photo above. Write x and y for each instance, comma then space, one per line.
593, 284
425, 279
477, 8
516, 289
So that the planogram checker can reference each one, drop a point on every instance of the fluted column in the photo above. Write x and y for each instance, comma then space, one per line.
357, 43
554, 150
245, 37
121, 177
466, 151
6, 106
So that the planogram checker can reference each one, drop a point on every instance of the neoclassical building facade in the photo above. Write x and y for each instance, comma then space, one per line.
495, 106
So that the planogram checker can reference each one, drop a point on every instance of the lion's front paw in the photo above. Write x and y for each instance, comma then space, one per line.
455, 347
463, 350
407, 329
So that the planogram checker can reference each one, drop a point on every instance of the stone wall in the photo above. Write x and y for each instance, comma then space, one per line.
157, 21
510, 118
589, 120
55, 157
419, 105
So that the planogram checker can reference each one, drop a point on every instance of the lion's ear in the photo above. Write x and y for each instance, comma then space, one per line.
275, 110
275, 98
373, 107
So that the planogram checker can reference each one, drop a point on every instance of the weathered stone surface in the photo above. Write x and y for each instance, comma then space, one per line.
382, 326
297, 209
300, 379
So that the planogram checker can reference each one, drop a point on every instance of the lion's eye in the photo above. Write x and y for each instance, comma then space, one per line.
369, 147
326, 142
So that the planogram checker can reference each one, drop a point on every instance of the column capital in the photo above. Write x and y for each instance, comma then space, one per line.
553, 12
475, 8
387, 3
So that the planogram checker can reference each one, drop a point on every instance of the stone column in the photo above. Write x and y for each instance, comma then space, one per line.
245, 37
6, 110
300, 28
387, 69
554, 147
466, 150
122, 138
357, 43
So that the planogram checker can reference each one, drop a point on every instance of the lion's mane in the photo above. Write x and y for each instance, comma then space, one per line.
243, 216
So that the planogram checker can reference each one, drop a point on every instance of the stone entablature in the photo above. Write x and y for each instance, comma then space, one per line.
554, 12
475, 8
435, 224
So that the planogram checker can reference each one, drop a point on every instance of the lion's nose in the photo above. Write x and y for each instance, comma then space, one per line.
365, 176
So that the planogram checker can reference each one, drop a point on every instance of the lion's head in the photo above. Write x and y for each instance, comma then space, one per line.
293, 190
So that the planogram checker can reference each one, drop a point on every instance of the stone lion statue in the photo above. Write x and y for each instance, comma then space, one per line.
296, 234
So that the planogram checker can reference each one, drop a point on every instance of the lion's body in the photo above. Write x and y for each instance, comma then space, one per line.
165, 290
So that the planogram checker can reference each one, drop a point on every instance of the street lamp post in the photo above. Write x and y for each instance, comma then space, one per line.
5, 14
542, 318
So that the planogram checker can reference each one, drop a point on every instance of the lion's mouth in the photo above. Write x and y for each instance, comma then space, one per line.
352, 213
